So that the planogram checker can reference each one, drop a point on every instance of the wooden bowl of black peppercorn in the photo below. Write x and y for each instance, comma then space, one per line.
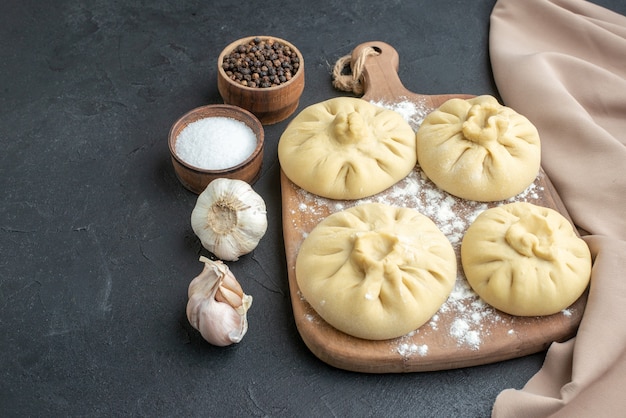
262, 74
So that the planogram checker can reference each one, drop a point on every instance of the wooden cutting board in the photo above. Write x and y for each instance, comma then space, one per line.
465, 331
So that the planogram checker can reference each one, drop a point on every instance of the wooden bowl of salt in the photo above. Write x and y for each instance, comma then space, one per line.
262, 74
216, 141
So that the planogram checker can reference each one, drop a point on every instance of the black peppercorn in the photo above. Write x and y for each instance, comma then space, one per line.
261, 63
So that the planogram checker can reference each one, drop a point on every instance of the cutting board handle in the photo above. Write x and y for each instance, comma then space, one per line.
381, 82
379, 76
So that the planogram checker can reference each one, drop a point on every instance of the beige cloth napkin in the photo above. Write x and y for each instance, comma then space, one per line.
562, 63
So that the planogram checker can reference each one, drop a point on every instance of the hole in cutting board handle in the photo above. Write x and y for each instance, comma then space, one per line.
386, 56
380, 47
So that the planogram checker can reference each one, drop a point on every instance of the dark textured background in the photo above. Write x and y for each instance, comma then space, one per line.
96, 250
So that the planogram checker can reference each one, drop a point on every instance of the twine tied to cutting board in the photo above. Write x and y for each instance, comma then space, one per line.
351, 82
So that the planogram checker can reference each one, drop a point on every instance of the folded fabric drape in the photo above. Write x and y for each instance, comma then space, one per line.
562, 64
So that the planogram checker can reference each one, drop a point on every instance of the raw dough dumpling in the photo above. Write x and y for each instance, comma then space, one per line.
347, 148
525, 259
478, 149
376, 271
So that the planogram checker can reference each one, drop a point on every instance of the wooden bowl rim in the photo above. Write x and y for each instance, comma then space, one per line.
206, 111
233, 45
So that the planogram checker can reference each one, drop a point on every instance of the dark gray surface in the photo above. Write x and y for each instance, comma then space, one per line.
95, 242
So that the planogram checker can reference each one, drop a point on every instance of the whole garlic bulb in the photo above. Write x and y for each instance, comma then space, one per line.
229, 218
217, 306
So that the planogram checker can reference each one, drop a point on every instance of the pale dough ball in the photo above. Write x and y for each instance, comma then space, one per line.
347, 148
478, 149
376, 271
525, 259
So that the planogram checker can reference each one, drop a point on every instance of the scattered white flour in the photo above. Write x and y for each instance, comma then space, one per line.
461, 330
406, 346
451, 214
413, 113
464, 317
408, 349
470, 316
433, 322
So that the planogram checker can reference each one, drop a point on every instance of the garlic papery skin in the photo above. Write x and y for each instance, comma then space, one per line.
217, 306
230, 218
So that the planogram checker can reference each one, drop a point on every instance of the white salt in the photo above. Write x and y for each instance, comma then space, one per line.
215, 143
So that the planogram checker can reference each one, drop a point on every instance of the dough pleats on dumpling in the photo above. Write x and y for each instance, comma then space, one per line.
347, 148
376, 271
525, 259
478, 149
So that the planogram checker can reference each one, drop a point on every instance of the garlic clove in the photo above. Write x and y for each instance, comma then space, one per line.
228, 296
230, 218
218, 324
222, 320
